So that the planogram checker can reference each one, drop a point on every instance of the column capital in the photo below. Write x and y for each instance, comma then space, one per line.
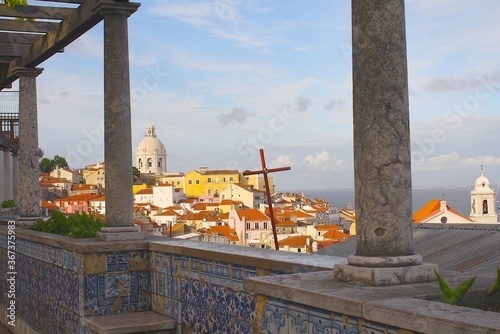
117, 8
27, 71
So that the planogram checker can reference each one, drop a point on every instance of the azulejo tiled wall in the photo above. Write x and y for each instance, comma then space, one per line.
208, 297
56, 287
203, 295
116, 282
47, 287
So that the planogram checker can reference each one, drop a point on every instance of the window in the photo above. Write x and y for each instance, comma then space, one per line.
209, 180
224, 179
209, 192
246, 235
190, 181
299, 250
198, 181
257, 225
231, 179
265, 225
216, 180
248, 226
178, 182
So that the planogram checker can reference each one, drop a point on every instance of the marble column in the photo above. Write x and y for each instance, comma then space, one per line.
7, 172
382, 164
29, 171
117, 125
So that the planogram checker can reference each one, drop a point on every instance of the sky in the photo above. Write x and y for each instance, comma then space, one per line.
221, 79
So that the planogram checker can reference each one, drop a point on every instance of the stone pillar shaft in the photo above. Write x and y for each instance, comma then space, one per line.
29, 171
381, 129
15, 178
117, 120
8, 175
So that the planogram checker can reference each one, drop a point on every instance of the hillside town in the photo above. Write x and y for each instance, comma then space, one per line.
221, 206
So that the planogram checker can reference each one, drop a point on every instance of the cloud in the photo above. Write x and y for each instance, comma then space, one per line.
334, 104
238, 115
462, 81
453, 160
303, 103
313, 163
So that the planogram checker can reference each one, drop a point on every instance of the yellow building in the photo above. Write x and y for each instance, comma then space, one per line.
94, 174
175, 179
257, 180
207, 182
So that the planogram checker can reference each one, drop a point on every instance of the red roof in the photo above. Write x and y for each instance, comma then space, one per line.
252, 214
145, 191
225, 231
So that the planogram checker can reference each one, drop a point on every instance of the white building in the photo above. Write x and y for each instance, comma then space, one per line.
165, 195
151, 156
482, 198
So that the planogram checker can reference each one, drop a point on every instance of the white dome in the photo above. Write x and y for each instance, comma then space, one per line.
482, 184
151, 154
151, 146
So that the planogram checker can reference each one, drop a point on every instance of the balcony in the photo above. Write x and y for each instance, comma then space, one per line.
75, 285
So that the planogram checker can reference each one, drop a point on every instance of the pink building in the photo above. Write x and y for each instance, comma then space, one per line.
251, 225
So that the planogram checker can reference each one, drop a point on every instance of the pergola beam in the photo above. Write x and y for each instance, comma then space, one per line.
53, 36
36, 12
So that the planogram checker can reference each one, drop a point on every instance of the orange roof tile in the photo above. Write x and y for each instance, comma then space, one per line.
225, 231
145, 191
430, 209
329, 227
335, 234
252, 214
295, 241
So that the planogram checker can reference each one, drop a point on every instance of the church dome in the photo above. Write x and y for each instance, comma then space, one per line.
151, 153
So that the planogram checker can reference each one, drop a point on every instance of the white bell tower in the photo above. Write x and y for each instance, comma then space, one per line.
483, 210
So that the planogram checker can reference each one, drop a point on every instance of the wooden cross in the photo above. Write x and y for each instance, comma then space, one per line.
265, 171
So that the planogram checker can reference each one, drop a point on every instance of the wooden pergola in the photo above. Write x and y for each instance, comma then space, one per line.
30, 35
27, 43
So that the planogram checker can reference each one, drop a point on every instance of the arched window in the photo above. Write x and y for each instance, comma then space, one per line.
140, 163
485, 207
209, 192
150, 162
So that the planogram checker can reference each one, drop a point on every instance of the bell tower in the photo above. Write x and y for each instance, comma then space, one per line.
483, 210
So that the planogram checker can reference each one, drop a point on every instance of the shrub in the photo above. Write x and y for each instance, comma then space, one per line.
76, 225
9, 203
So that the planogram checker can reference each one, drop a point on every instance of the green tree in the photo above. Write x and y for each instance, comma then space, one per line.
14, 3
59, 161
136, 171
46, 165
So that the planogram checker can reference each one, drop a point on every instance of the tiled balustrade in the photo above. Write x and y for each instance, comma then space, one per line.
206, 288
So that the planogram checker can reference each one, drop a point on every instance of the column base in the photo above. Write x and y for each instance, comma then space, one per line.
120, 233
26, 221
381, 276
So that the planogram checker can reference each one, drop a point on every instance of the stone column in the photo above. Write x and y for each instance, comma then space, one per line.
15, 177
117, 124
2, 175
382, 165
7, 172
29, 171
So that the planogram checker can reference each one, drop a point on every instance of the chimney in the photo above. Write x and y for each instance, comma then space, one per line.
443, 206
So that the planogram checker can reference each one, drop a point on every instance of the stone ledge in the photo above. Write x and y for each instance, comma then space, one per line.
285, 262
385, 276
130, 322
400, 306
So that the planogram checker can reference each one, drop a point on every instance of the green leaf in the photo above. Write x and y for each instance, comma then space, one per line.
496, 285
452, 296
